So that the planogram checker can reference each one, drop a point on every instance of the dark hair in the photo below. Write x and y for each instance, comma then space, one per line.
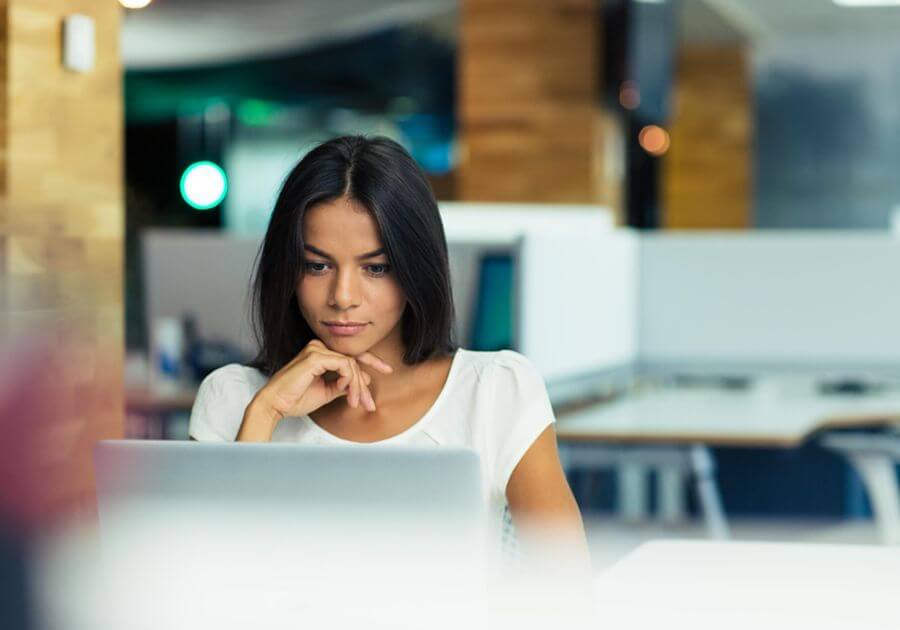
379, 174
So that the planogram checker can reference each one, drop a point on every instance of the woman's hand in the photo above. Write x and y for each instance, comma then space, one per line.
314, 378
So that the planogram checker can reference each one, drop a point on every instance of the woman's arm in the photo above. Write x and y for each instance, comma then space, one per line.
545, 512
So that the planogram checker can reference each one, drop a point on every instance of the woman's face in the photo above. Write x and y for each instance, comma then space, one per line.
347, 291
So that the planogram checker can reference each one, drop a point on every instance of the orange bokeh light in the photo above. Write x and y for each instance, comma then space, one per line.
654, 140
629, 95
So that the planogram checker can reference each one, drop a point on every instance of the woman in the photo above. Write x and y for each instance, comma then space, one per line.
353, 315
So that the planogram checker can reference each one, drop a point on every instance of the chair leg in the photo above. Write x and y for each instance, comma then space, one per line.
704, 468
880, 478
631, 481
670, 490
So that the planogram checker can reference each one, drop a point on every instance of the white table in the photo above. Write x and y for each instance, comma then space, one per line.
673, 428
717, 585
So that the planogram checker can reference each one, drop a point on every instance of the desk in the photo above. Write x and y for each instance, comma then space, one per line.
718, 417
716, 585
674, 428
155, 407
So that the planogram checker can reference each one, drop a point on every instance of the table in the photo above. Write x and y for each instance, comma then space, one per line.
674, 428
716, 585
156, 406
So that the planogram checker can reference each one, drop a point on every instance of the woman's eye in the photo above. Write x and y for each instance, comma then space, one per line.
378, 269
316, 267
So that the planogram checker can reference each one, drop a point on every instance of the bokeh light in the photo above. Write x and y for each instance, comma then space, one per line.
654, 140
134, 4
629, 95
204, 185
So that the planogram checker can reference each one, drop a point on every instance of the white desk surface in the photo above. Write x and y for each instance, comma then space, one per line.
763, 418
728, 585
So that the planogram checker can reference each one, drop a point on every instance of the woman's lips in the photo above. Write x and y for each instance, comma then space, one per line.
344, 330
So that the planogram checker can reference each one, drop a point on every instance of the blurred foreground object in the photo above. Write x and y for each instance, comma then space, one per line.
47, 430
247, 556
714, 585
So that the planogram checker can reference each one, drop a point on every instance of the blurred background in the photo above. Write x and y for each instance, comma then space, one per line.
721, 174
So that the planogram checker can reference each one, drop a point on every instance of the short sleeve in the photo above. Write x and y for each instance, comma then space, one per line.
521, 412
219, 407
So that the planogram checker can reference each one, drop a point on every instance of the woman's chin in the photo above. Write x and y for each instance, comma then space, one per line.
349, 345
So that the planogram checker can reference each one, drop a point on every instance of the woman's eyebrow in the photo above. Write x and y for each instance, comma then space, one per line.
319, 252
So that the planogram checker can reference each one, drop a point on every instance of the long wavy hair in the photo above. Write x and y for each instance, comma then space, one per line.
379, 174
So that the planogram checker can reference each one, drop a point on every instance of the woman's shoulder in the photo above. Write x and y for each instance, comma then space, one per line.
221, 399
233, 375
503, 364
504, 358
511, 409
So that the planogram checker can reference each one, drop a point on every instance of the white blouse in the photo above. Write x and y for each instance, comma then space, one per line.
494, 403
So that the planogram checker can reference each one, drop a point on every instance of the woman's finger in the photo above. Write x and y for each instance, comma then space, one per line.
334, 389
367, 358
366, 380
326, 362
356, 380
355, 396
308, 349
343, 383
366, 396
367, 400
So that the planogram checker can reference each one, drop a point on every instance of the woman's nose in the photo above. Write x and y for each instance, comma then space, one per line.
345, 292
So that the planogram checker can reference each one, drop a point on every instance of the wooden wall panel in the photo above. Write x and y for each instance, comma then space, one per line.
707, 173
62, 208
529, 101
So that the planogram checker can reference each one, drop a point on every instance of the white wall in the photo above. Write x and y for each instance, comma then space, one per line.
578, 301
588, 301
204, 272
505, 223
773, 297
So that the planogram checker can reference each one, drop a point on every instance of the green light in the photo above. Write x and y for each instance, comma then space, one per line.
204, 185
257, 113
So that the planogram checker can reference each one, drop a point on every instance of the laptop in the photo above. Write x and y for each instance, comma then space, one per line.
359, 496
205, 525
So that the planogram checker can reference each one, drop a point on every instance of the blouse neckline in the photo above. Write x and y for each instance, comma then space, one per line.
416, 426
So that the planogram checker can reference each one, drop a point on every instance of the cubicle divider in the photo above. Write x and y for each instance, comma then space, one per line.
207, 273
578, 308
480, 233
754, 302
204, 273
591, 300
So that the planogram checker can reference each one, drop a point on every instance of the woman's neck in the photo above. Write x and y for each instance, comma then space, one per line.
389, 387
390, 350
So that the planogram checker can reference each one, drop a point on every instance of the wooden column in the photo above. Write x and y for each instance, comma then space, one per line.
531, 128
62, 214
707, 173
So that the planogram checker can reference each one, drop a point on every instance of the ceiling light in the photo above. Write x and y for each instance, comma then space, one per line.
867, 3
134, 4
